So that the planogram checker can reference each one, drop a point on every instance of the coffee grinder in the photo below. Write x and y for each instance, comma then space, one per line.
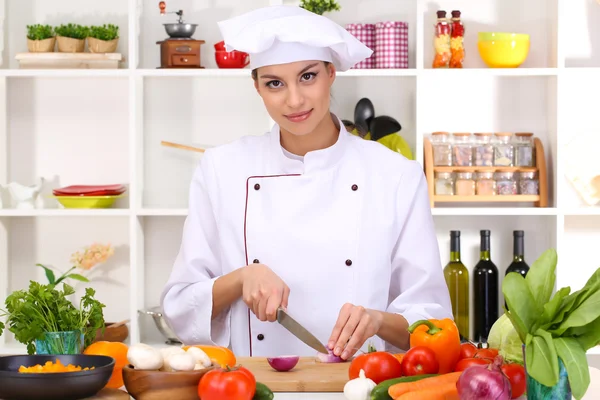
179, 50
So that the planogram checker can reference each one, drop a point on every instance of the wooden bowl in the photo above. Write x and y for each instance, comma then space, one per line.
112, 334
160, 385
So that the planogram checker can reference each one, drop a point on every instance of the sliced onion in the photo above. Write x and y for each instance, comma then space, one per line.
484, 382
283, 363
329, 358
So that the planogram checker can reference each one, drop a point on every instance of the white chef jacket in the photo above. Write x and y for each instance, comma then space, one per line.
349, 223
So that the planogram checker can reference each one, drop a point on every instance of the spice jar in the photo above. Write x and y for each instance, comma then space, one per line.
483, 150
505, 183
442, 149
529, 183
444, 184
486, 185
462, 150
524, 155
441, 41
465, 184
457, 47
503, 150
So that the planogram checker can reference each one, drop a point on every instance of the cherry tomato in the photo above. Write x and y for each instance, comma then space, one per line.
486, 353
467, 350
516, 376
379, 366
420, 360
469, 362
232, 383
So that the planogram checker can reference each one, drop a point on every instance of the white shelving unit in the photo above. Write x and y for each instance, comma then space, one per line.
105, 126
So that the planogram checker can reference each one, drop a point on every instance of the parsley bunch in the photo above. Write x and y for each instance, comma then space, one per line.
43, 308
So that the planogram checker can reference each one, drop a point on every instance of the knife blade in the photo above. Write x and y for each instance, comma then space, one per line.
299, 331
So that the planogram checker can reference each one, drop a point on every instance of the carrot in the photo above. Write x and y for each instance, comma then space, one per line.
445, 391
399, 389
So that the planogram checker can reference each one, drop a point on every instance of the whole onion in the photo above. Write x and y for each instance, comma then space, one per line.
484, 382
283, 363
329, 358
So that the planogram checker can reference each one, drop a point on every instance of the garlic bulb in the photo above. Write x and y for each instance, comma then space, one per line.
145, 357
359, 388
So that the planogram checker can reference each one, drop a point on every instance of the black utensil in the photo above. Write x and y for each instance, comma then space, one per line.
15, 385
382, 126
363, 115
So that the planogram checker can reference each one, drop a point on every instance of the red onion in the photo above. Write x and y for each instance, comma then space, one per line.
283, 363
484, 382
329, 358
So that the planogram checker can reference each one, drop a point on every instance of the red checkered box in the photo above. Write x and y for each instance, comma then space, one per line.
391, 44
366, 34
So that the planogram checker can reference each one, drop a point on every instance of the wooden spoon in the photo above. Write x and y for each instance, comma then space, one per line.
182, 146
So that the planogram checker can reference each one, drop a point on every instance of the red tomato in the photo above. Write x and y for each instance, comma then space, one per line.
467, 350
378, 366
420, 360
486, 353
469, 362
236, 384
516, 376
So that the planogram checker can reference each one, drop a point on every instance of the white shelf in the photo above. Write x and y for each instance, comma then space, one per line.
73, 212
488, 211
163, 212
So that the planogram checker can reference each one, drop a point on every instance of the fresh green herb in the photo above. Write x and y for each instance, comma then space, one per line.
43, 308
564, 325
320, 6
104, 32
39, 32
74, 31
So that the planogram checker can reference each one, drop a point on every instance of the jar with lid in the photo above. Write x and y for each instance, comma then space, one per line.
483, 150
444, 184
524, 154
442, 149
462, 150
529, 183
503, 150
506, 183
486, 185
465, 184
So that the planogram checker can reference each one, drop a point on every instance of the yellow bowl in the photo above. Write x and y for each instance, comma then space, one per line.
503, 50
87, 201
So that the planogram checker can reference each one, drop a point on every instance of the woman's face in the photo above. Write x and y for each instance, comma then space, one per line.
296, 95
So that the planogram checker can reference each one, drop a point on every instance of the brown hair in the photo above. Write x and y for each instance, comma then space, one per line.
255, 72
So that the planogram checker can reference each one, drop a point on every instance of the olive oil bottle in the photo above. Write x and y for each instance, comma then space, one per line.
457, 279
485, 291
518, 264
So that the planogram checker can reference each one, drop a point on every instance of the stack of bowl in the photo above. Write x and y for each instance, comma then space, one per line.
502, 49
230, 59
87, 196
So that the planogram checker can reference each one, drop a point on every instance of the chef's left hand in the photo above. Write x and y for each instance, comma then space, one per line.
355, 324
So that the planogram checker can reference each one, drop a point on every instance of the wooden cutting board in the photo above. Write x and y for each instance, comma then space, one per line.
309, 375
110, 394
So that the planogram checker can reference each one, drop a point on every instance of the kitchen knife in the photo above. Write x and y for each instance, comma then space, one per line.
299, 331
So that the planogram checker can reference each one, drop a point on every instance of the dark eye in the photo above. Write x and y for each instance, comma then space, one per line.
273, 84
308, 76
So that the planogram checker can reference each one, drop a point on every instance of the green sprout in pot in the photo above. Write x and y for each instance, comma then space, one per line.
556, 328
39, 32
73, 31
320, 7
106, 32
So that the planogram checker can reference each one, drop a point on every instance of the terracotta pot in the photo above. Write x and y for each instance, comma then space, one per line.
41, 46
102, 46
116, 334
70, 45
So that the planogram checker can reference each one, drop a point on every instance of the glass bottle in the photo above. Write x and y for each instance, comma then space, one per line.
462, 150
506, 184
441, 41
524, 154
442, 149
503, 150
529, 183
486, 185
457, 48
483, 150
485, 289
444, 184
465, 184
518, 264
457, 280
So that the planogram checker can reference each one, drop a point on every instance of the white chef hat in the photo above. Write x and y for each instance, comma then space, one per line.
284, 34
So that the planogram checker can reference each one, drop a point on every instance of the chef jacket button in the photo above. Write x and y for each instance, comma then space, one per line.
348, 262
256, 186
355, 187
260, 336
256, 261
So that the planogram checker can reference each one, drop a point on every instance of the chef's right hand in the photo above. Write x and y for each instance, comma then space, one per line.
263, 291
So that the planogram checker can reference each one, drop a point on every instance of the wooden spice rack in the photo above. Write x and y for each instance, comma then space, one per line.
540, 200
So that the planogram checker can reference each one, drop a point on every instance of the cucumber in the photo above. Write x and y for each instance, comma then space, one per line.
262, 392
380, 392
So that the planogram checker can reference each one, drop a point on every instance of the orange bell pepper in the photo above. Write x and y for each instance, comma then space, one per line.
442, 337
219, 355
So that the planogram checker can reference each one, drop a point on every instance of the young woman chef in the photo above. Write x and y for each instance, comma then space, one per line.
332, 227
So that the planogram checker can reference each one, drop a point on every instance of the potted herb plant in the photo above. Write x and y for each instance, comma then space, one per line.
47, 322
71, 37
40, 38
555, 330
103, 39
320, 7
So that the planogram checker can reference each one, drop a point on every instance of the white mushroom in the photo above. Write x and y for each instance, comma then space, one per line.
202, 359
167, 352
144, 357
181, 362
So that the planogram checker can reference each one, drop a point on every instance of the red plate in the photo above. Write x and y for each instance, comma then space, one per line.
89, 190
